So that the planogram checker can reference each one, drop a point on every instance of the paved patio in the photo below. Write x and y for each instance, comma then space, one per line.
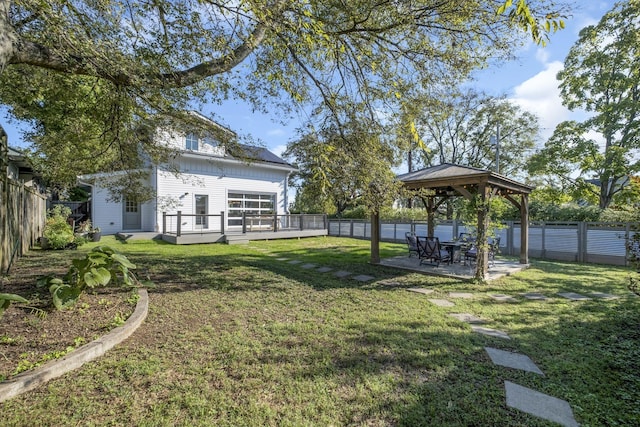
457, 270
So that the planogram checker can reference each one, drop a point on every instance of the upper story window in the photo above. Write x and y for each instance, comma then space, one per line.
191, 142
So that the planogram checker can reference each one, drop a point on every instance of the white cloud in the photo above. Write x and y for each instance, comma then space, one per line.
540, 95
278, 149
542, 55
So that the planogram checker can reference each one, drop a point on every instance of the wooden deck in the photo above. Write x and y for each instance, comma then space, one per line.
234, 238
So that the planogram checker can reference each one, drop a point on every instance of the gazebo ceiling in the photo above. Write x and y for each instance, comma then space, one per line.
450, 177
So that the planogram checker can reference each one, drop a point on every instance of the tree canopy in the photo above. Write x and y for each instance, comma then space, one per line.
602, 76
158, 57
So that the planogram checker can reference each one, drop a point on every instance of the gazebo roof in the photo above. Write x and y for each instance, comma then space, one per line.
448, 176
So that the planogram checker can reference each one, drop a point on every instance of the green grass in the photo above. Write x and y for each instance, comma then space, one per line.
235, 337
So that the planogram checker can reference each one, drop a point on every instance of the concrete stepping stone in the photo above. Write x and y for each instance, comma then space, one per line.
363, 278
574, 296
282, 259
604, 296
467, 318
539, 404
421, 290
460, 295
441, 302
512, 360
503, 298
385, 283
308, 266
490, 332
340, 274
324, 269
535, 296
295, 261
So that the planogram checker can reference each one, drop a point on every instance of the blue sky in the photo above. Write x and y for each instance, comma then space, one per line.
529, 81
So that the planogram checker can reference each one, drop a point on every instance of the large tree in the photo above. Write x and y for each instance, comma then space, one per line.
160, 56
461, 127
602, 76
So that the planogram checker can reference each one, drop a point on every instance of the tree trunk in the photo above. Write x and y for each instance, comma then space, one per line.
7, 35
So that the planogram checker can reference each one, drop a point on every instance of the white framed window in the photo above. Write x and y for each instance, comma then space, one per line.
191, 142
252, 204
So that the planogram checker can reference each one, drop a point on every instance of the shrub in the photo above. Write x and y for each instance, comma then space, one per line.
57, 231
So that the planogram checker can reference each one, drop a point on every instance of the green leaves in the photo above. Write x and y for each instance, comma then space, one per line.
7, 299
101, 267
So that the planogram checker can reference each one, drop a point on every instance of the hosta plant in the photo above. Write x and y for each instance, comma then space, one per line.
102, 266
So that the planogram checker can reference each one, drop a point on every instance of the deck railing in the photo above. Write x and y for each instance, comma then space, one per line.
181, 223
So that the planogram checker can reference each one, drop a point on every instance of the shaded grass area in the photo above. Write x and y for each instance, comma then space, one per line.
236, 337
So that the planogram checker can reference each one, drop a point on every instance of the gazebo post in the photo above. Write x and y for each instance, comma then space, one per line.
375, 237
431, 219
524, 229
481, 240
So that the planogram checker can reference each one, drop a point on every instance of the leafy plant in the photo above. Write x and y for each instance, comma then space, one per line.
633, 255
101, 267
7, 299
57, 231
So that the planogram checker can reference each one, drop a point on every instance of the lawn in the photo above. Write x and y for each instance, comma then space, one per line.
237, 337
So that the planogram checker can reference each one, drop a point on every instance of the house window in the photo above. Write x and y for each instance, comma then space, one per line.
131, 206
253, 204
191, 142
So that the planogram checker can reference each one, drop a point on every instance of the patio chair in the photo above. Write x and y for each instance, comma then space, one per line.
412, 243
494, 247
429, 250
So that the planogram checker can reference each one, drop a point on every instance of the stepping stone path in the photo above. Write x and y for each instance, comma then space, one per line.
460, 295
490, 332
539, 404
512, 360
342, 273
441, 302
324, 269
573, 296
421, 290
503, 298
308, 266
295, 261
467, 318
363, 278
282, 259
604, 296
535, 296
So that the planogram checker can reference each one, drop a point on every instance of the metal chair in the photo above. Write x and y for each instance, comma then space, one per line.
412, 243
429, 249
494, 248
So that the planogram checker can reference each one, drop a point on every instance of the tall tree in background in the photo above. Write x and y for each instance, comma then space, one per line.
602, 76
461, 127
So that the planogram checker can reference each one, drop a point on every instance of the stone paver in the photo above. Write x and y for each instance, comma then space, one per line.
308, 266
295, 261
512, 360
385, 283
490, 332
282, 259
342, 273
467, 318
604, 296
324, 269
363, 278
441, 302
460, 295
421, 290
503, 298
535, 296
539, 404
574, 296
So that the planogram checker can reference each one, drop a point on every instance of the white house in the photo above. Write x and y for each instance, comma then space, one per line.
210, 181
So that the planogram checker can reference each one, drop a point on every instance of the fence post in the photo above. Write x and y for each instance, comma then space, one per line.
582, 242
244, 223
543, 232
351, 229
164, 222
221, 222
325, 223
510, 237
301, 222
179, 224
275, 222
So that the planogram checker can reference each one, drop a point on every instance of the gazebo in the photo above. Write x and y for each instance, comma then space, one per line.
439, 183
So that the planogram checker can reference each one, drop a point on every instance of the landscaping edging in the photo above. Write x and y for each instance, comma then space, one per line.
88, 352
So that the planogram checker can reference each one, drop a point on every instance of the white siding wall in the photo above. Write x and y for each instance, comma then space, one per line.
215, 179
176, 140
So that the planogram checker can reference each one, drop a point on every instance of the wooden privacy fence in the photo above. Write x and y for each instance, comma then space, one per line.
22, 213
589, 242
